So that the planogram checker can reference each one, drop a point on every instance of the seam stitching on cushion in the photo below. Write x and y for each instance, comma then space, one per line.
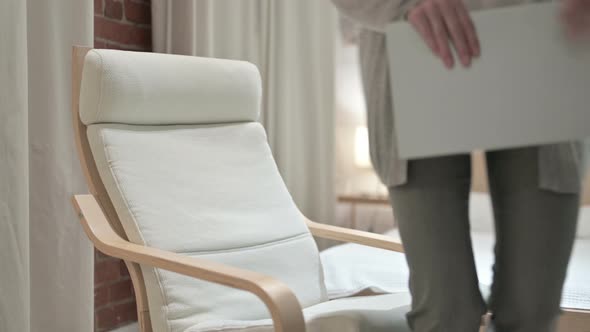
156, 272
253, 247
99, 104
116, 180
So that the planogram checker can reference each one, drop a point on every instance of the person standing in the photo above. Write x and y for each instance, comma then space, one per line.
535, 190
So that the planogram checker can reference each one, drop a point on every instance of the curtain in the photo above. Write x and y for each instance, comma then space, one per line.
14, 220
46, 274
292, 43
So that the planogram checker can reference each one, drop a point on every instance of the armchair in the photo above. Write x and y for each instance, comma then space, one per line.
183, 187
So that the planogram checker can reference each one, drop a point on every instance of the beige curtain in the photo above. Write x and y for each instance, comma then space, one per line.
14, 193
292, 43
46, 264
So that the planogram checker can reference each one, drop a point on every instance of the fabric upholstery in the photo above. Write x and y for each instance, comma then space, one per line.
381, 313
157, 89
351, 269
584, 223
206, 191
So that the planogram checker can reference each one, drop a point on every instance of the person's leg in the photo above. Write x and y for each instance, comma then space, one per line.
535, 230
431, 210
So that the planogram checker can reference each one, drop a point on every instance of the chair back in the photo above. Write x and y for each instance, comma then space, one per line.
185, 167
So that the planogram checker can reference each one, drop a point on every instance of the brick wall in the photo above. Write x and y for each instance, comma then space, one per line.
126, 25
123, 24
114, 301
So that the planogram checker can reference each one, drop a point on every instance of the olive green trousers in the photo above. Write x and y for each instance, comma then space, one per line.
535, 230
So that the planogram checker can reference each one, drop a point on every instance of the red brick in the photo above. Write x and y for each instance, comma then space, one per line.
112, 46
113, 9
98, 7
101, 296
124, 271
138, 12
126, 312
122, 290
115, 316
99, 256
122, 33
107, 270
106, 319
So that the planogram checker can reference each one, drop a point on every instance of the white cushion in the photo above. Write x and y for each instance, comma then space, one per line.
382, 313
153, 89
206, 191
584, 223
351, 269
481, 215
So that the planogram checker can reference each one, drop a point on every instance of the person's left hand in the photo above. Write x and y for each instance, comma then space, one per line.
576, 17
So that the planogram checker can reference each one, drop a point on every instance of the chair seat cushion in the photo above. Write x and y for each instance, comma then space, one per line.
353, 314
350, 269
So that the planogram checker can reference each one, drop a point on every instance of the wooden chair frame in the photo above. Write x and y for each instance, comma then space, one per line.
103, 227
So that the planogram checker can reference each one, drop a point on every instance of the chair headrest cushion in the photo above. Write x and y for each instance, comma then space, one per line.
163, 89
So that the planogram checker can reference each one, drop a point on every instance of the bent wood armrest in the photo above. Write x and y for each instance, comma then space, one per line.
354, 236
284, 308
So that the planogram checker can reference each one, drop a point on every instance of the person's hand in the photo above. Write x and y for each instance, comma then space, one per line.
576, 16
444, 24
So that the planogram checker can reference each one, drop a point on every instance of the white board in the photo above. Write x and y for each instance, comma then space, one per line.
530, 86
